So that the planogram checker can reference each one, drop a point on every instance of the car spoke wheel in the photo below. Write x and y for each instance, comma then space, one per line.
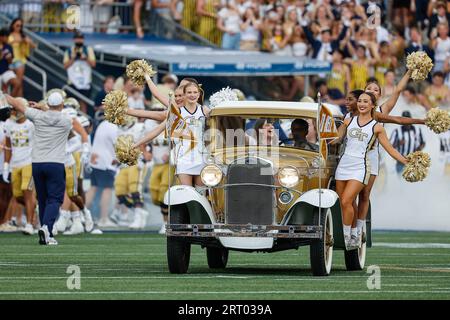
356, 259
217, 257
321, 250
178, 248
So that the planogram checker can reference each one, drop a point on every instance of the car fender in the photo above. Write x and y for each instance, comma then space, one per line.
328, 198
189, 195
310, 199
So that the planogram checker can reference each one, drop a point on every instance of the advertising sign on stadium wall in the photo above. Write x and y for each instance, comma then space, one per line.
250, 68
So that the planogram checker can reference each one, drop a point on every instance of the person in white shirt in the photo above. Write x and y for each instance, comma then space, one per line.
19, 132
79, 61
229, 21
104, 166
136, 100
441, 46
5, 187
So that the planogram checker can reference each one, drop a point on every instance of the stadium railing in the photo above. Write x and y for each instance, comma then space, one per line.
90, 17
47, 59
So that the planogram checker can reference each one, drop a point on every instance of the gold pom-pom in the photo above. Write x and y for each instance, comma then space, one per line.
116, 106
417, 167
420, 64
438, 120
136, 71
125, 153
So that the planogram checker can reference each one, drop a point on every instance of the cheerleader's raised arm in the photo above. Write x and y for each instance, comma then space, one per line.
387, 107
154, 115
385, 118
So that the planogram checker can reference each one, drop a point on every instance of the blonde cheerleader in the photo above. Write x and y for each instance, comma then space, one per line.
353, 170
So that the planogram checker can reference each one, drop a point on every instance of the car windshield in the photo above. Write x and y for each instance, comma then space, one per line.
235, 131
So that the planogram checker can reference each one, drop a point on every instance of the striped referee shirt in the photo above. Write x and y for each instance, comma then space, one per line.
407, 139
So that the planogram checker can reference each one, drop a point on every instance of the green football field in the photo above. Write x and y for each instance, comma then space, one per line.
413, 265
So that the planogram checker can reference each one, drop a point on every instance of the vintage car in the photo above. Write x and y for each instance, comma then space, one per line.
261, 196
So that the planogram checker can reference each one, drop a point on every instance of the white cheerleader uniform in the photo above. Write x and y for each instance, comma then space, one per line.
374, 153
190, 161
355, 163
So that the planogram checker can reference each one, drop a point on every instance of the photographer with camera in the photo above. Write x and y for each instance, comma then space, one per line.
79, 61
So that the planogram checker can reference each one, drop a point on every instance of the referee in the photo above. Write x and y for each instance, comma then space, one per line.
407, 139
49, 147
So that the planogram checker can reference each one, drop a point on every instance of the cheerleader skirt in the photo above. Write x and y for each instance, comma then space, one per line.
353, 168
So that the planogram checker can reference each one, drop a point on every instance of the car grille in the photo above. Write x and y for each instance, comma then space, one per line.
248, 203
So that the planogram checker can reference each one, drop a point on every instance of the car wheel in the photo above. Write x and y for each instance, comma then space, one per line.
217, 257
178, 248
321, 250
356, 259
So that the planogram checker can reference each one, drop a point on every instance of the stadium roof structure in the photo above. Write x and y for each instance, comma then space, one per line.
189, 59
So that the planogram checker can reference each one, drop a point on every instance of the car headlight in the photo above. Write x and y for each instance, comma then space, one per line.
289, 177
211, 175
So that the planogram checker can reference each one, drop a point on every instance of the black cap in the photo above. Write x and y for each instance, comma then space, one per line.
406, 114
77, 35
5, 113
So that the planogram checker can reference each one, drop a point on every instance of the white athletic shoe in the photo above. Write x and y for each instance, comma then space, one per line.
115, 215
106, 224
357, 241
76, 227
96, 231
124, 221
88, 222
28, 229
163, 229
144, 215
140, 218
43, 235
6, 227
348, 242
52, 241
63, 221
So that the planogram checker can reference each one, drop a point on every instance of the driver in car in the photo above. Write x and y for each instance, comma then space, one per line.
299, 129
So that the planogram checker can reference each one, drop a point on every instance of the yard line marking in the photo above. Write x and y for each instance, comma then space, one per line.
374, 292
443, 270
404, 245
219, 276
408, 285
129, 277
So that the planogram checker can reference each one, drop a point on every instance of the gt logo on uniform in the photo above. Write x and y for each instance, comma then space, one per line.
358, 134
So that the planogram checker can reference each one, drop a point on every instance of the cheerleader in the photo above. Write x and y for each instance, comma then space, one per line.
382, 110
353, 171
189, 162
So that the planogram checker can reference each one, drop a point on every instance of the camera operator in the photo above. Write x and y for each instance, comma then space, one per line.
79, 61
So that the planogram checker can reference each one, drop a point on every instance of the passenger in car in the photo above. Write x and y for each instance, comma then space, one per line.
264, 133
299, 129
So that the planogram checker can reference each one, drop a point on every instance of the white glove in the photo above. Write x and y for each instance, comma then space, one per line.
140, 162
5, 173
86, 153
